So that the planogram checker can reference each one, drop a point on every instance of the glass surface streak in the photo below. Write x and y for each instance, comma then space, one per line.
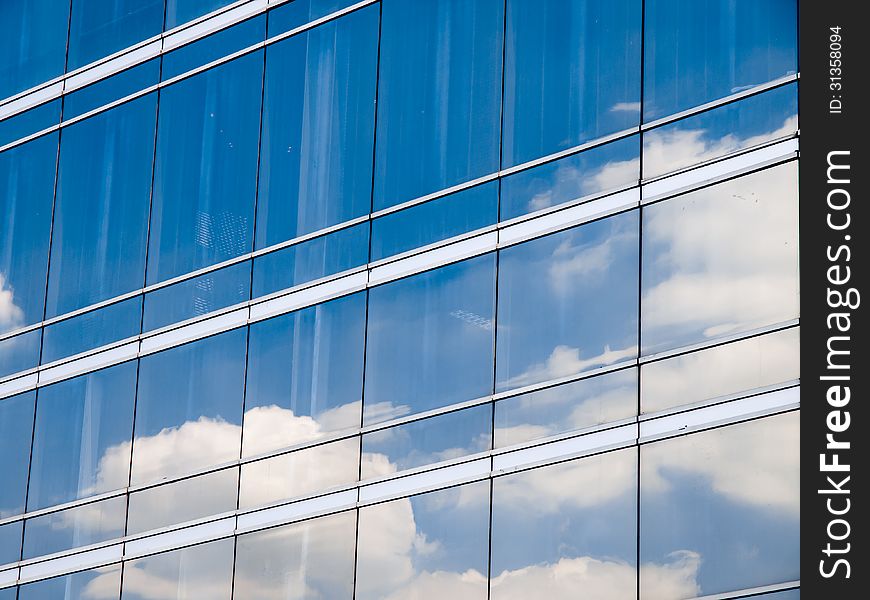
696, 51
99, 28
430, 339
16, 427
220, 44
318, 128
101, 213
572, 74
26, 191
33, 39
206, 171
439, 96
81, 442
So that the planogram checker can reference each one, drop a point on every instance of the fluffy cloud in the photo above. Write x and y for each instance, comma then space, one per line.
11, 315
564, 361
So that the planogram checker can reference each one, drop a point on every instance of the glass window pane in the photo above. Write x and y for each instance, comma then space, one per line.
16, 428
32, 43
206, 170
572, 74
722, 507
567, 302
93, 329
716, 372
8, 593
29, 122
594, 171
103, 583
438, 96
318, 128
197, 296
102, 27
112, 88
179, 12
430, 340
568, 527
305, 374
101, 213
75, 527
698, 51
19, 353
10, 543
708, 135
220, 44
568, 407
427, 547
698, 283
425, 442
786, 595
299, 473
82, 436
189, 407
203, 572
311, 260
311, 559
435, 220
182, 501
26, 197
299, 12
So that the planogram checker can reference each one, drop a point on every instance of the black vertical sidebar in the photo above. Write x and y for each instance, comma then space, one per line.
834, 226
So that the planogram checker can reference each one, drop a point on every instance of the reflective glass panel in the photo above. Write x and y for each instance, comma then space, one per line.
696, 51
426, 547
29, 122
708, 135
220, 44
101, 212
203, 572
311, 260
19, 353
189, 407
299, 473
318, 128
721, 508
568, 407
26, 196
567, 302
32, 43
572, 74
93, 329
179, 12
197, 296
80, 526
82, 436
435, 220
8, 593
10, 543
698, 282
206, 171
311, 559
430, 340
102, 27
439, 96
722, 370
431, 440
569, 527
600, 169
103, 583
112, 88
299, 12
16, 428
182, 501
305, 374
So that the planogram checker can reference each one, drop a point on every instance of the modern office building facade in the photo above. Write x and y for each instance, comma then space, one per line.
399, 299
